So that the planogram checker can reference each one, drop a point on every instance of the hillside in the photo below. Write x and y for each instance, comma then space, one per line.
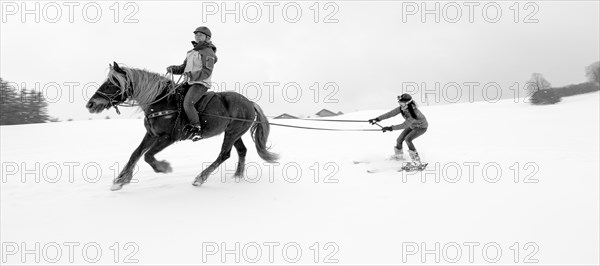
500, 173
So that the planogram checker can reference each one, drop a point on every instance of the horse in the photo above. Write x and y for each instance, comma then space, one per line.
161, 101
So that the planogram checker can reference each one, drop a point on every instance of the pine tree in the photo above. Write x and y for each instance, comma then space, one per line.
8, 104
22, 107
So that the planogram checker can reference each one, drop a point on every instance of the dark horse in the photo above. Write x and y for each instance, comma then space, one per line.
227, 112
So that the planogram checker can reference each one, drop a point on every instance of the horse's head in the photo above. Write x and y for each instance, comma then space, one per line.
112, 92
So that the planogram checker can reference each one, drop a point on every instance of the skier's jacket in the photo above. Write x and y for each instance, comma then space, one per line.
419, 122
198, 64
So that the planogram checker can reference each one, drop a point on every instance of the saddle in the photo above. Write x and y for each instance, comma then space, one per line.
168, 111
200, 105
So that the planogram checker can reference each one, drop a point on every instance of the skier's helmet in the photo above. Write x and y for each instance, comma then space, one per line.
405, 98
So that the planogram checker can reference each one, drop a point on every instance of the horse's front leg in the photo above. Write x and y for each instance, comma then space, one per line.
127, 172
159, 166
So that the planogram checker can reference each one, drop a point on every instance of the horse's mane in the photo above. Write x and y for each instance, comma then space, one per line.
146, 85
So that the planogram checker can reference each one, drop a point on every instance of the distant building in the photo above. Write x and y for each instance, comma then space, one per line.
326, 113
285, 116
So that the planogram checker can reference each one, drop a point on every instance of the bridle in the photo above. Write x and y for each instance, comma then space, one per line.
112, 98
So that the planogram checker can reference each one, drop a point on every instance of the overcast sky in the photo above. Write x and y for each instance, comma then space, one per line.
363, 57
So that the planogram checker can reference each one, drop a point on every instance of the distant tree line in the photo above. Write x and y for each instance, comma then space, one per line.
22, 107
542, 93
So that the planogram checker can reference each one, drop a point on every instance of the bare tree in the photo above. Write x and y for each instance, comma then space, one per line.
537, 82
592, 72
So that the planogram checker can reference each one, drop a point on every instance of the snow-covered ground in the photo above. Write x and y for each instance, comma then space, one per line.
507, 177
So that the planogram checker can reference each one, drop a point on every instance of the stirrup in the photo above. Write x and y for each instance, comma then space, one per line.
193, 128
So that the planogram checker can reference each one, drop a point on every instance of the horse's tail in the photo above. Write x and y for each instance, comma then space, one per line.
260, 132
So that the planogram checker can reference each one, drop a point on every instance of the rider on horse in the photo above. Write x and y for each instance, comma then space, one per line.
197, 70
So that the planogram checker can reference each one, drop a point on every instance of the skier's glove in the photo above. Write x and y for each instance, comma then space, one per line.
374, 120
385, 129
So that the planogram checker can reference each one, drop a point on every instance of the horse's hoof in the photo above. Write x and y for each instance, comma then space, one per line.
199, 181
116, 186
163, 167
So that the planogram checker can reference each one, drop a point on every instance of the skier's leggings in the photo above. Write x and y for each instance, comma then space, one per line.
409, 135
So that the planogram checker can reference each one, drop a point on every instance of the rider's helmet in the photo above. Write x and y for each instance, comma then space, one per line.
204, 30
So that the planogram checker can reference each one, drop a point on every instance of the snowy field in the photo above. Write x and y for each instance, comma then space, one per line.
507, 183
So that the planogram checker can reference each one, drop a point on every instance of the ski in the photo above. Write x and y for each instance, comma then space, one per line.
376, 161
409, 167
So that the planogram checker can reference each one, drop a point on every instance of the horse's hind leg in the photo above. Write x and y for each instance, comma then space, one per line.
241, 150
159, 145
127, 173
230, 138
223, 156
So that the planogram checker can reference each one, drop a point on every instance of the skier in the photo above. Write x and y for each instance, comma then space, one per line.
414, 126
197, 70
